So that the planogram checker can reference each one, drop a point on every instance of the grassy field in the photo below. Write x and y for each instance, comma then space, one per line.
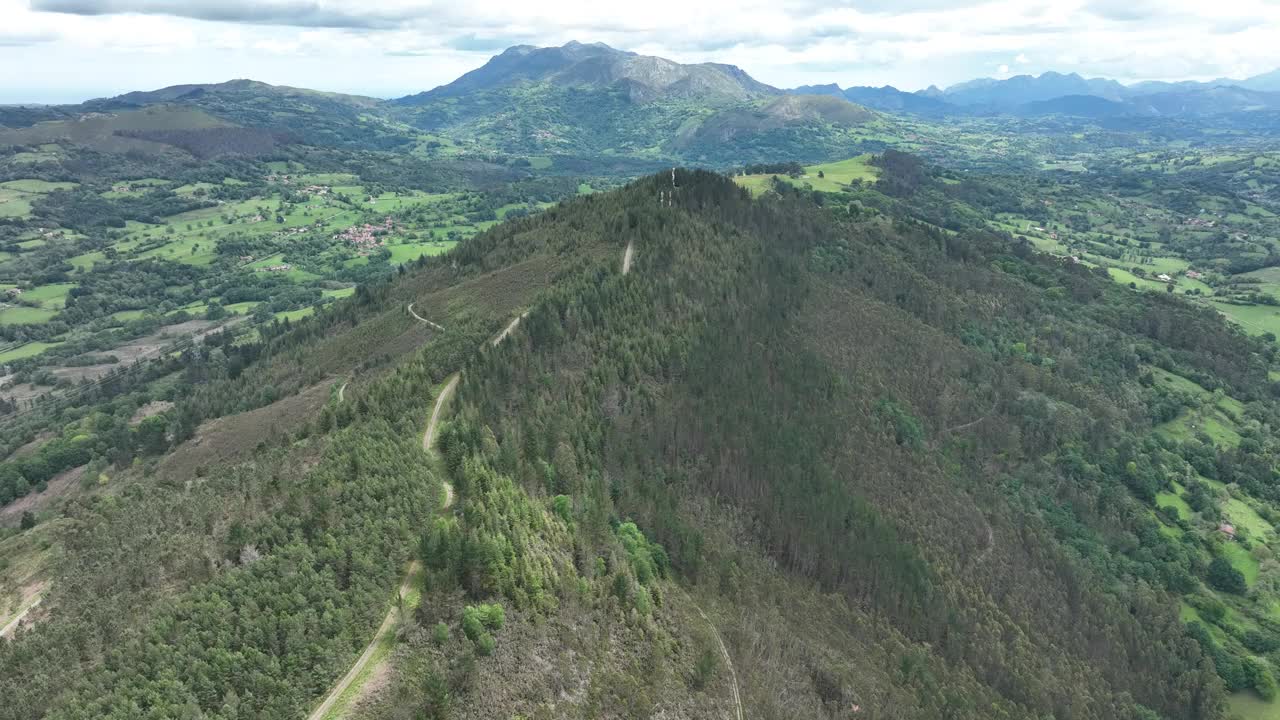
16, 196
50, 296
406, 252
1174, 500
1241, 560
19, 315
1256, 319
295, 315
835, 176
24, 351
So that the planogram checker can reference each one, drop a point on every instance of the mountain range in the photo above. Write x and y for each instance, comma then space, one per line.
1053, 93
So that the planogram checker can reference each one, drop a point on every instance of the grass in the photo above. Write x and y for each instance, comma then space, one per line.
242, 308
19, 315
1241, 560
1248, 706
128, 315
295, 315
16, 196
835, 176
50, 296
30, 349
406, 252
87, 260
1243, 516
340, 293
1256, 319
1174, 500
37, 186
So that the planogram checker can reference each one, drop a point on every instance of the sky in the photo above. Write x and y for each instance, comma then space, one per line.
72, 50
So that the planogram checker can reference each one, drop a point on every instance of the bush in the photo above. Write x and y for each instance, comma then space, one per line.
440, 634
1222, 576
703, 670
477, 620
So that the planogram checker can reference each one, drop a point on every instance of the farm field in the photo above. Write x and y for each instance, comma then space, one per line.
825, 177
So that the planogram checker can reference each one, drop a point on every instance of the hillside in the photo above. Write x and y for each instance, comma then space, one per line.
593, 99
885, 465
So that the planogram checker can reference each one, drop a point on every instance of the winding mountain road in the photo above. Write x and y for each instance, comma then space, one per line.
409, 307
388, 626
429, 437
341, 391
724, 653
389, 622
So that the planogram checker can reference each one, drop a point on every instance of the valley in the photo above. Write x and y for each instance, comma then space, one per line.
594, 384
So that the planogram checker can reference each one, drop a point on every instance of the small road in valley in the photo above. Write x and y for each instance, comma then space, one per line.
626, 257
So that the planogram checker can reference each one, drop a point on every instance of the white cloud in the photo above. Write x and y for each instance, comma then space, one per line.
394, 47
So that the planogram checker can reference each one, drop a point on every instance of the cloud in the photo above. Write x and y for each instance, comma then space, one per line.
300, 13
24, 39
401, 46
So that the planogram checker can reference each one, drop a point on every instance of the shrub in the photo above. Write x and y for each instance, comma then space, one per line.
1224, 577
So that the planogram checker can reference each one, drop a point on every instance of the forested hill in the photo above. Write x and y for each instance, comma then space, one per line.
891, 466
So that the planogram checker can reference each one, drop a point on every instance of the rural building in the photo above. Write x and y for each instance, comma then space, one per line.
1227, 529
1163, 278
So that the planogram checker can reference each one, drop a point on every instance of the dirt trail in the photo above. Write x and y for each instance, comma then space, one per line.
991, 543
429, 437
626, 257
419, 317
724, 652
509, 328
388, 625
13, 624
341, 392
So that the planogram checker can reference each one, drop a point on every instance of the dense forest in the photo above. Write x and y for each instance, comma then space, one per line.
945, 433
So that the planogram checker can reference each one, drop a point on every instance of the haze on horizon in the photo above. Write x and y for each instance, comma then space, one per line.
71, 50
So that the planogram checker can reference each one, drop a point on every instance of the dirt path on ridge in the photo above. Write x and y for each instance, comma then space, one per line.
409, 307
388, 626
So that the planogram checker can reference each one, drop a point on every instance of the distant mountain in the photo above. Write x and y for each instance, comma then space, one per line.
1023, 89
891, 99
593, 99
1207, 102
1266, 82
831, 89
284, 113
887, 98
1076, 106
230, 89
598, 66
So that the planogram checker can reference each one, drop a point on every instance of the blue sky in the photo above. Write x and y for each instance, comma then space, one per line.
70, 50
